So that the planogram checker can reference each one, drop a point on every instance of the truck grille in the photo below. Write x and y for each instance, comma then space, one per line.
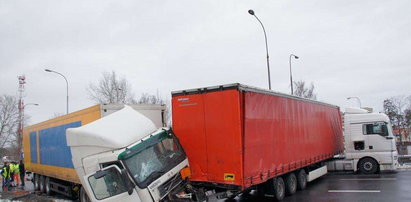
165, 188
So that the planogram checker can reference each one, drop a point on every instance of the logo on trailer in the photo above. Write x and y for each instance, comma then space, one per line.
183, 99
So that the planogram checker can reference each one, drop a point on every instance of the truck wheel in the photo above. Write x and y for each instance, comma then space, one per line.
83, 195
291, 184
301, 179
47, 186
279, 188
368, 166
41, 183
36, 182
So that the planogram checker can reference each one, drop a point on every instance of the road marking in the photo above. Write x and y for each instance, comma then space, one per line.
376, 179
354, 191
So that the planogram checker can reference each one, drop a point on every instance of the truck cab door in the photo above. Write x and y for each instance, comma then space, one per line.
378, 137
108, 185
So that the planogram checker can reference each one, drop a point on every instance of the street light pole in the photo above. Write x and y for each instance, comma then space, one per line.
291, 75
35, 104
48, 70
24, 106
357, 98
251, 12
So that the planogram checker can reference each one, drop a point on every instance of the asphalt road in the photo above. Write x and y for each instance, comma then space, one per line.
335, 187
387, 187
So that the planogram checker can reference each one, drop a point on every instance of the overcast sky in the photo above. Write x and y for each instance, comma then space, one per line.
346, 48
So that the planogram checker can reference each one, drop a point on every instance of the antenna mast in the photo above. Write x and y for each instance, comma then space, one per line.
22, 81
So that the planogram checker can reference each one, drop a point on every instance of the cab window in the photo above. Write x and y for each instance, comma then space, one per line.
107, 185
375, 129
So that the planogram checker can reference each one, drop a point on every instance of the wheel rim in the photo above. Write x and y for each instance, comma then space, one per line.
41, 181
301, 180
280, 189
37, 182
293, 183
47, 185
368, 166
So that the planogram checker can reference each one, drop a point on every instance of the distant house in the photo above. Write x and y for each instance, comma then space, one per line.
403, 141
405, 134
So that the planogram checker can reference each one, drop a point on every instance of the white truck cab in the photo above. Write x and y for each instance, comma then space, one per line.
125, 157
369, 143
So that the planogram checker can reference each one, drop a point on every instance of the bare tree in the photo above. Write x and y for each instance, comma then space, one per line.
303, 91
390, 109
407, 118
398, 109
57, 114
147, 98
111, 89
9, 120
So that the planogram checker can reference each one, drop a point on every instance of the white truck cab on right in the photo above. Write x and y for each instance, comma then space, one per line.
369, 143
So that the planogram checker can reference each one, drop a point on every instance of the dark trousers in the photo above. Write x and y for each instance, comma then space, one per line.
6, 184
22, 175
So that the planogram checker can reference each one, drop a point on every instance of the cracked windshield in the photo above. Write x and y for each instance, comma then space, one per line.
154, 160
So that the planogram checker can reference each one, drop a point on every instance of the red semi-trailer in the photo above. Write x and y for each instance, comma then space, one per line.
238, 137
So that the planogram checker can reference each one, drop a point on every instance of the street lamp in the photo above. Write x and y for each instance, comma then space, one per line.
357, 98
251, 12
49, 70
22, 117
291, 75
35, 104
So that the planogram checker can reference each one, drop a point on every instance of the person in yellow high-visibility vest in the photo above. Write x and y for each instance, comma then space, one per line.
5, 173
16, 174
11, 169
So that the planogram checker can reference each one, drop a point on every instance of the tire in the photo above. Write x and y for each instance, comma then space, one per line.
36, 182
301, 179
291, 184
42, 181
83, 195
47, 186
279, 188
368, 166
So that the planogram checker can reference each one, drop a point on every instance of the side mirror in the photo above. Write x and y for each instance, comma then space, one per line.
99, 174
130, 185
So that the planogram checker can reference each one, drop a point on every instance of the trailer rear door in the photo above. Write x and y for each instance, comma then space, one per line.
209, 127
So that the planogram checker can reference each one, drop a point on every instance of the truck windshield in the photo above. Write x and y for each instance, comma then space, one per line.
150, 159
